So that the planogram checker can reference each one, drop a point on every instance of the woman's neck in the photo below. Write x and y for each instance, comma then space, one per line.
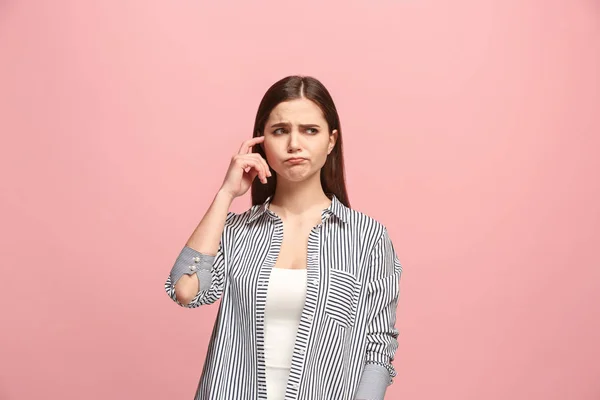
298, 199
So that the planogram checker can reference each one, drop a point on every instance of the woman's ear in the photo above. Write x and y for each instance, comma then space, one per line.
332, 140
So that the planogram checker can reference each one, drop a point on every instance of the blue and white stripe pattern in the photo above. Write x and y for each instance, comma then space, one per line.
347, 338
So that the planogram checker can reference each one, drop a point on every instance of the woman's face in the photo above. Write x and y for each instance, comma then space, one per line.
297, 129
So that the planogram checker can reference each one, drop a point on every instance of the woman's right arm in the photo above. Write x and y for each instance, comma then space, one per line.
198, 275
190, 282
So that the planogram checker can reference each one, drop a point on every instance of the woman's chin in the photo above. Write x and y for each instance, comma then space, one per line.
295, 176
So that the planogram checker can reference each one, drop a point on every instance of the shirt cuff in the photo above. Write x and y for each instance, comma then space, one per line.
373, 383
191, 261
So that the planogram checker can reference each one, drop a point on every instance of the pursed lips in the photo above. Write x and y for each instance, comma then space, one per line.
296, 159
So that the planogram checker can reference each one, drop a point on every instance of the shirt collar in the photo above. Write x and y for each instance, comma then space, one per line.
336, 208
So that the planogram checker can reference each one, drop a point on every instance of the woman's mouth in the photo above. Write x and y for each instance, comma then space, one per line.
295, 160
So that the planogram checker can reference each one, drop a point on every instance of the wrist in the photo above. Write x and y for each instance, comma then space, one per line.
224, 195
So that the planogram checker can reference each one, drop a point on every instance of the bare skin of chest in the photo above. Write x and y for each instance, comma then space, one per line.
294, 246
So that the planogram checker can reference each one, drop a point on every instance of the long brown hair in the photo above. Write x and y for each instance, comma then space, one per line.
296, 87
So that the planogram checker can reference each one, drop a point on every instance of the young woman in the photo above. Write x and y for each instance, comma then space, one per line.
308, 286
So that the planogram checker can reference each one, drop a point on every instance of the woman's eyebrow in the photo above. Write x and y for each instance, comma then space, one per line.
284, 124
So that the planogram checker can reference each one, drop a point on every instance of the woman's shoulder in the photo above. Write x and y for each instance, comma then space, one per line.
358, 222
237, 218
241, 218
365, 223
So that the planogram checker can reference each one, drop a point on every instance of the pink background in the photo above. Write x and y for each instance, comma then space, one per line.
471, 130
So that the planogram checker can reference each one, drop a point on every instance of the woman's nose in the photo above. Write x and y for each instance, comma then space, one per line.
294, 141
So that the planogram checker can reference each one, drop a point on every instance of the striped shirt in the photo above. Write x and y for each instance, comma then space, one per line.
346, 339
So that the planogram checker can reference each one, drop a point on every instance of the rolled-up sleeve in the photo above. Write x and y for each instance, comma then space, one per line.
209, 269
382, 335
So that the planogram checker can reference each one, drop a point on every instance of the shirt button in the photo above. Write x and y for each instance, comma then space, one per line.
192, 267
196, 259
302, 351
294, 385
309, 317
315, 282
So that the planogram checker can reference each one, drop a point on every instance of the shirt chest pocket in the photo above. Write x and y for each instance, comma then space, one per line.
342, 297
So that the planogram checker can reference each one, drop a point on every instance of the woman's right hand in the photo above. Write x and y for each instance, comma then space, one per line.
244, 167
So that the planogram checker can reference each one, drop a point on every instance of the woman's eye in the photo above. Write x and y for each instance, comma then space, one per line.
308, 130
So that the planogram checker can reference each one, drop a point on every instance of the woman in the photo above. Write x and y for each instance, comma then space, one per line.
308, 286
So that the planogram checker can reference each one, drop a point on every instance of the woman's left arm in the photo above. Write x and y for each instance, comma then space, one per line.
383, 288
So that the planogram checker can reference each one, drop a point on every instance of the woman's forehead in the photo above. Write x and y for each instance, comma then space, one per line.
297, 112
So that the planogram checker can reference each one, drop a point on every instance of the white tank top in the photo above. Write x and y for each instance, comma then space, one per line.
285, 300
